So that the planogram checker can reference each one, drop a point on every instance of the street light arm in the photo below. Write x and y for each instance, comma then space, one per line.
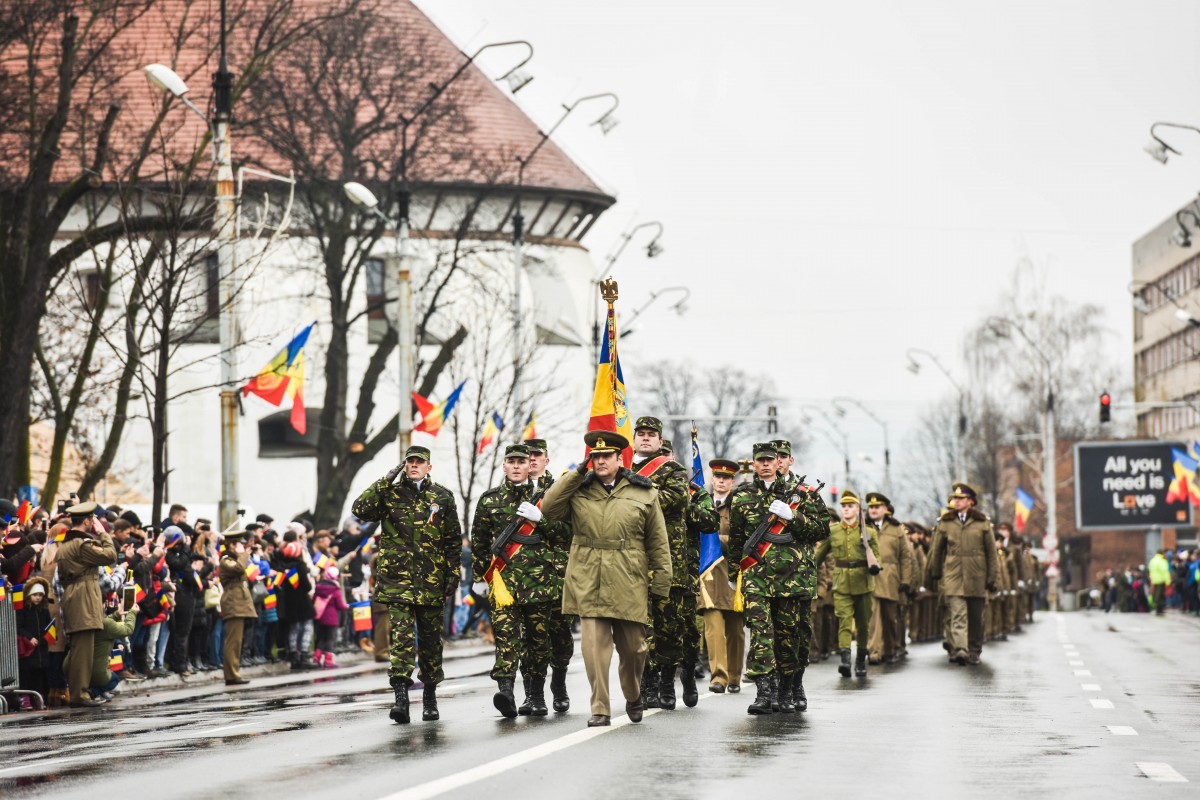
861, 407
438, 89
654, 296
1177, 125
567, 109
625, 239
937, 363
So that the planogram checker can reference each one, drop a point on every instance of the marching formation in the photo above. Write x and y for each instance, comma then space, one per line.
759, 575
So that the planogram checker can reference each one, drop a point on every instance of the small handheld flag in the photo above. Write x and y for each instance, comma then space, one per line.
362, 616
270, 600
51, 633
530, 431
320, 560
18, 595
494, 426
293, 578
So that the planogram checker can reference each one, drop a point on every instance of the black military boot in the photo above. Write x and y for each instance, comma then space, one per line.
798, 695
666, 689
524, 709
537, 697
860, 664
399, 712
429, 709
774, 692
844, 667
503, 699
687, 677
650, 697
786, 704
558, 688
762, 703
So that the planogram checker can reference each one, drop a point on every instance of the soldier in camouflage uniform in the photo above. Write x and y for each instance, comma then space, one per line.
417, 566
784, 448
778, 588
671, 614
522, 627
562, 638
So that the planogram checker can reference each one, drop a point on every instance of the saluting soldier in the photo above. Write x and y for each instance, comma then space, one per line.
669, 615
779, 580
895, 582
523, 590
237, 604
417, 566
87, 546
619, 555
724, 628
562, 639
963, 557
853, 581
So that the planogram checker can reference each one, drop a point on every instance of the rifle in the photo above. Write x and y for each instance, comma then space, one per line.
872, 562
512, 532
763, 535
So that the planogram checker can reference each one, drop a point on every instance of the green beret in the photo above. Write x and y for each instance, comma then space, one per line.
648, 423
416, 451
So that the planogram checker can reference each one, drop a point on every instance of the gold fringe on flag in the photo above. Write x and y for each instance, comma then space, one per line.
739, 600
500, 596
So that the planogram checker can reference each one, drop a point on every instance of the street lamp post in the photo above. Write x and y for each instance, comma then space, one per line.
844, 446
606, 122
887, 452
1000, 326
653, 250
914, 367
224, 224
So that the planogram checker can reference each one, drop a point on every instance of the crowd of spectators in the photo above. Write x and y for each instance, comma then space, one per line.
1167, 581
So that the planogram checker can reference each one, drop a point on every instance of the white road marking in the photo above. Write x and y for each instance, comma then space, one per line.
1096, 703
1121, 730
40, 764
467, 777
1160, 771
1090, 687
1074, 663
1083, 673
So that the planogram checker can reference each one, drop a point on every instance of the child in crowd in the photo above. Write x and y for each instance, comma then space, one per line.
328, 605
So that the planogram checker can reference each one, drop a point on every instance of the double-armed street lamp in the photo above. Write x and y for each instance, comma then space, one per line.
653, 250
224, 222
843, 447
887, 452
679, 308
606, 122
914, 366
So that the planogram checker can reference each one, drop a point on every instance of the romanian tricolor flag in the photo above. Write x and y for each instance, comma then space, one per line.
270, 600
362, 616
710, 543
434, 417
3, 593
320, 560
61, 536
610, 410
494, 426
293, 578
51, 633
1183, 486
24, 512
199, 581
18, 593
530, 429
284, 377
139, 594
275, 580
1024, 506
253, 573
116, 662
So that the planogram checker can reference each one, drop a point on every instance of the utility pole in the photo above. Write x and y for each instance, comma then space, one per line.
225, 221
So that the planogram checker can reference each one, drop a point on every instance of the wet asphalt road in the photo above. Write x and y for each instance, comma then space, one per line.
1079, 705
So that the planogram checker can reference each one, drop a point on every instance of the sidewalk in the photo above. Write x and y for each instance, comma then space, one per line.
203, 684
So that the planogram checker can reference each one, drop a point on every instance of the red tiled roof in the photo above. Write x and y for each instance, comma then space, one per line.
495, 131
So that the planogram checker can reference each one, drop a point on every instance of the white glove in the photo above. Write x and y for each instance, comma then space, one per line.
781, 510
922, 590
530, 512
480, 588
1020, 584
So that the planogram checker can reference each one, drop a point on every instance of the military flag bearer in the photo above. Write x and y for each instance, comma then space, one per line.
853, 580
416, 568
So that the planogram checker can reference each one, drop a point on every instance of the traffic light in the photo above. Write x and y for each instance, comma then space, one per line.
833, 491
1105, 407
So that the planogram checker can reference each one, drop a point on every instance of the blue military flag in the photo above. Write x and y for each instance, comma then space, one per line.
710, 543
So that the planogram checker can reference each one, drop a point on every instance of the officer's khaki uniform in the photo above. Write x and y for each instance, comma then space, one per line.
724, 628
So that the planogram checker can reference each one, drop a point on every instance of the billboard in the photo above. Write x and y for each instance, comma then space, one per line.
1129, 485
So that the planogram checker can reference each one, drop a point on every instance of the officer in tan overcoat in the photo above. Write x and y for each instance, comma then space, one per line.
894, 583
724, 628
87, 548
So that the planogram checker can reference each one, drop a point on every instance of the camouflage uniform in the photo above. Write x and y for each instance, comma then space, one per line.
522, 629
701, 518
562, 640
669, 615
778, 591
420, 547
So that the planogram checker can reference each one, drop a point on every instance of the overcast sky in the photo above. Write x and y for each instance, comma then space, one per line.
843, 181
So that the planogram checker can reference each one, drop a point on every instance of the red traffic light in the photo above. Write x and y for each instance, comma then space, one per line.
1105, 407
1105, 399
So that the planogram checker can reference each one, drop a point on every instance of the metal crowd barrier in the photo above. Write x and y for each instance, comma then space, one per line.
9, 669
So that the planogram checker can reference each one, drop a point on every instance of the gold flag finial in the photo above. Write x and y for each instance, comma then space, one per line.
608, 290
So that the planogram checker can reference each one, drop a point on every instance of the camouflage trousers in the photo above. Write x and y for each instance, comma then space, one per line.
522, 636
669, 617
693, 633
562, 641
780, 634
416, 633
